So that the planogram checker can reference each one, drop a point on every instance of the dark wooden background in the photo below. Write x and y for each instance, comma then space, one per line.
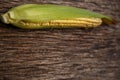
61, 54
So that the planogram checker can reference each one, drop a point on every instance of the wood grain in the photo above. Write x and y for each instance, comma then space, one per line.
61, 54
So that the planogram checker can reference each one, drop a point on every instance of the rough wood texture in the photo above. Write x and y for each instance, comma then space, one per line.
61, 54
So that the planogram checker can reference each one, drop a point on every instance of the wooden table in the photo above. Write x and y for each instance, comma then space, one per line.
61, 54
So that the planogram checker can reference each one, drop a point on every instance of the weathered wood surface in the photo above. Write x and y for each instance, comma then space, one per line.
61, 54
